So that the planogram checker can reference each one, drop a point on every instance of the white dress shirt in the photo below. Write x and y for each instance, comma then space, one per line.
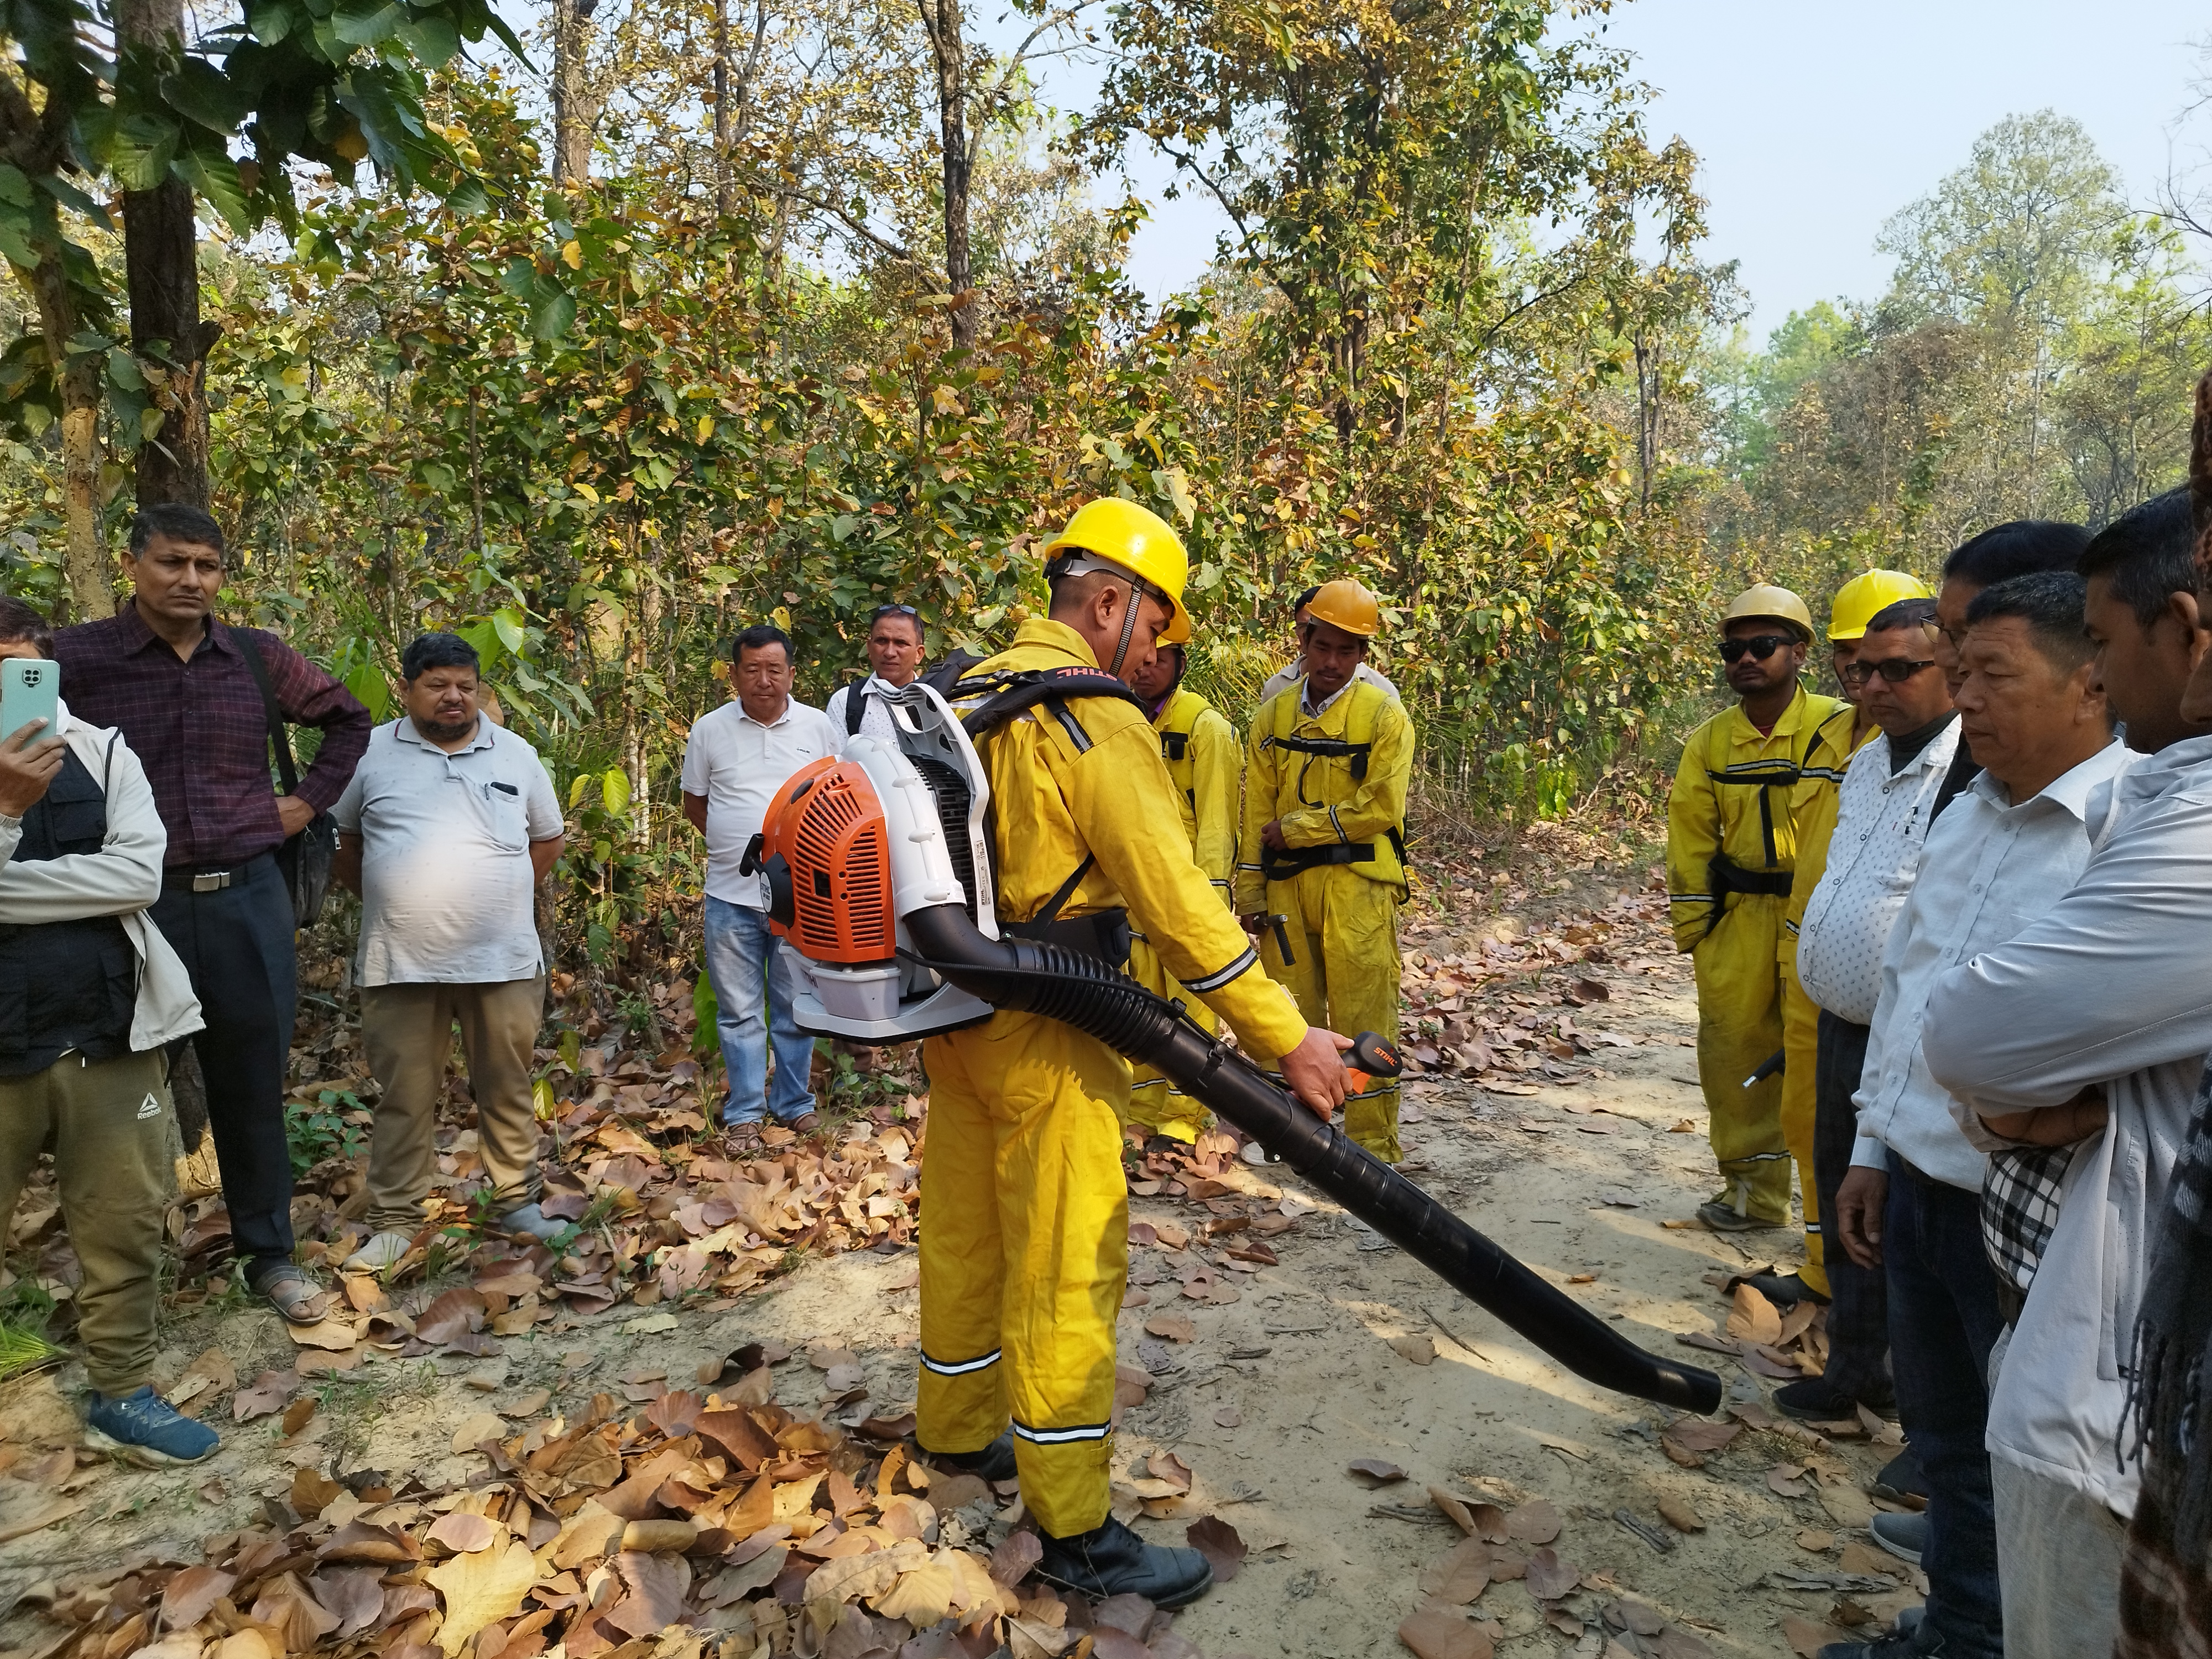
875, 719
1882, 825
2107, 987
1989, 870
738, 764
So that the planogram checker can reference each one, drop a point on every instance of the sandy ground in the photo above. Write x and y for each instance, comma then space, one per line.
1277, 1393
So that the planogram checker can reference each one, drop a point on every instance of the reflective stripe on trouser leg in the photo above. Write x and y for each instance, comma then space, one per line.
1801, 1041
1739, 1028
1345, 927
1154, 1105
1036, 1108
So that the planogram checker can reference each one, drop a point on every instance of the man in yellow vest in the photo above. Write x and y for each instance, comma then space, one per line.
1203, 761
1857, 602
1321, 862
1024, 1253
1748, 775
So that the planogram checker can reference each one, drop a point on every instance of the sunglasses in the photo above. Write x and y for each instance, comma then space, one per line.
1895, 669
1761, 646
883, 610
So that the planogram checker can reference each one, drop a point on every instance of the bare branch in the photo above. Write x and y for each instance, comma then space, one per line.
858, 228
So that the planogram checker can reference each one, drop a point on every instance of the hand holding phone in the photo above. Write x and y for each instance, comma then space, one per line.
29, 754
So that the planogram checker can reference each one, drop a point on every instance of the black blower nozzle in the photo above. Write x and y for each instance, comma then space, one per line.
1031, 976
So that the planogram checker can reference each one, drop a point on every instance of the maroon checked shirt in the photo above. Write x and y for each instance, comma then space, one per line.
200, 729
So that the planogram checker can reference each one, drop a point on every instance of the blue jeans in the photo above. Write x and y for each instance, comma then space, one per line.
1943, 1320
752, 991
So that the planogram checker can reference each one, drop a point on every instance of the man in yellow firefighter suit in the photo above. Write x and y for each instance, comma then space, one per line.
1855, 604
1203, 760
1747, 777
1321, 866
1024, 1232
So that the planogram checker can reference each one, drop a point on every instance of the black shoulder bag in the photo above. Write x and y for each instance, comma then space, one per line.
305, 858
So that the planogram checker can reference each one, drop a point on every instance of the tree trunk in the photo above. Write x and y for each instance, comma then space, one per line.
722, 202
161, 261
576, 107
942, 20
85, 559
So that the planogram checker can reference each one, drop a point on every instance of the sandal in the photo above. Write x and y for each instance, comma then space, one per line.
292, 1293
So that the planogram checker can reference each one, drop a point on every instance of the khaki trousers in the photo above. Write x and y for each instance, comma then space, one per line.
408, 1030
109, 1122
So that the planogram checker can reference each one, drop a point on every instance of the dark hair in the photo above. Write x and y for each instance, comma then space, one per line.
2017, 548
906, 610
1903, 613
1305, 598
2051, 603
440, 650
180, 521
2146, 554
18, 621
758, 637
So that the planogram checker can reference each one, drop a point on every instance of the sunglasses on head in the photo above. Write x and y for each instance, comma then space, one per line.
883, 610
1761, 646
1895, 669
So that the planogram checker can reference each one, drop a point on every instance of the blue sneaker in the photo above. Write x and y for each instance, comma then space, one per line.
143, 1428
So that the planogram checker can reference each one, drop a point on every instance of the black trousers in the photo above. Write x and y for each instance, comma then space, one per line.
1858, 1316
237, 944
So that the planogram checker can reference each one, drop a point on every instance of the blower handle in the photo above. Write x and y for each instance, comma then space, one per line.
1374, 1055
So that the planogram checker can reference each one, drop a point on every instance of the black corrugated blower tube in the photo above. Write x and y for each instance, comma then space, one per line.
1029, 976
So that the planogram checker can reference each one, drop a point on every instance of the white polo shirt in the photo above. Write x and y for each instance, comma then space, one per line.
738, 764
446, 883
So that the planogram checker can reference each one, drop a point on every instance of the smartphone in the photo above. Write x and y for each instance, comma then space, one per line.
30, 689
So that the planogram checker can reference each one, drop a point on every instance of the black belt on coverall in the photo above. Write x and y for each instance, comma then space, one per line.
1723, 876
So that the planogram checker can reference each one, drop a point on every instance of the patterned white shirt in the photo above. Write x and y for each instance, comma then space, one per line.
1991, 869
1881, 824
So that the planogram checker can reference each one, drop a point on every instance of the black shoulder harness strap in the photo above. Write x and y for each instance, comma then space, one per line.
999, 697
855, 705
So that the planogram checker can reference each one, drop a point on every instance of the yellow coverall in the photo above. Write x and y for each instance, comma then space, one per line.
1199, 748
1341, 918
1801, 1016
1732, 823
1025, 1220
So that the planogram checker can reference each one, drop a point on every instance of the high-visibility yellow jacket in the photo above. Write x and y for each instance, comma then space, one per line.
1816, 827
1353, 801
1200, 749
1057, 796
1738, 797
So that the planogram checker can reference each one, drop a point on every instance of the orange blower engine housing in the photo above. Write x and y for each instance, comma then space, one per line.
825, 850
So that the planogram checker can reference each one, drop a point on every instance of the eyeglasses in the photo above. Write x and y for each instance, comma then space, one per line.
1761, 646
1895, 669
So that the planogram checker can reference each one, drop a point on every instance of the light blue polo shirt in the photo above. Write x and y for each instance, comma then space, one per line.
444, 876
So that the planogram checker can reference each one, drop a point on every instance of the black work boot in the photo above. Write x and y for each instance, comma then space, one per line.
1111, 1560
994, 1462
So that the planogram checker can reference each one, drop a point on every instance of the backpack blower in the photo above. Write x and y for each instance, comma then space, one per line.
880, 876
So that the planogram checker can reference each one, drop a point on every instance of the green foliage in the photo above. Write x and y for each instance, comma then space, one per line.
322, 1130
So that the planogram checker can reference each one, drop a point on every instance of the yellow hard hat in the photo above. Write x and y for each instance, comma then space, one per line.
1859, 600
1767, 601
1177, 632
1347, 604
1135, 541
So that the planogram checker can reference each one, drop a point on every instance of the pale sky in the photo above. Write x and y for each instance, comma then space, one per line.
1815, 123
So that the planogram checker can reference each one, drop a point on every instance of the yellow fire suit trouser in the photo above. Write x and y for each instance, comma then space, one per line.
1739, 1028
1155, 1105
1801, 1041
1343, 929
1024, 1256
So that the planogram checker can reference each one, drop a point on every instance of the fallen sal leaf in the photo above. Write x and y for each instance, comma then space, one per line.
463, 1533
1787, 1480
1443, 1632
1419, 1349
479, 1589
1549, 1577
1534, 1522
1680, 1514
1376, 1470
1221, 1545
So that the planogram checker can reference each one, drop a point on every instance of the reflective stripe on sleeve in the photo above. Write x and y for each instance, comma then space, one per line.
1215, 981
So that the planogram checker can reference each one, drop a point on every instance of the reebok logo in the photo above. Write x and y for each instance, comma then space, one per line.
149, 1107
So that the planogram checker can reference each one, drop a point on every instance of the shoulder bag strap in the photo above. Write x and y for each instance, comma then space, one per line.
279, 739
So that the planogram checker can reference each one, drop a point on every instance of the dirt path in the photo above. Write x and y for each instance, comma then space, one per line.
1288, 1375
